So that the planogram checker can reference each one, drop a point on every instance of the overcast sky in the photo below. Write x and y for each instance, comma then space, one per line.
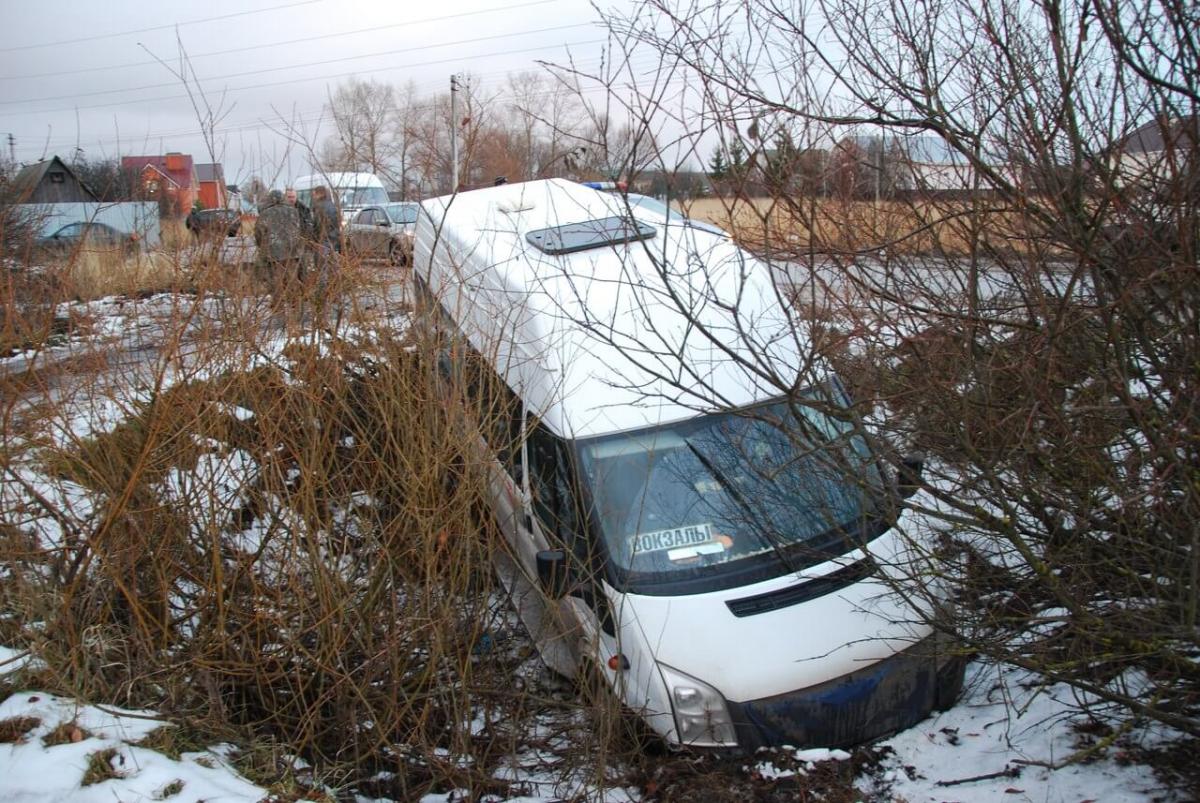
82, 73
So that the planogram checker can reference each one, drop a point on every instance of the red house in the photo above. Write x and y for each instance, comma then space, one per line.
169, 179
212, 186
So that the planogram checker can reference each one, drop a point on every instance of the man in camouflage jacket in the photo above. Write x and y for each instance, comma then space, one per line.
277, 235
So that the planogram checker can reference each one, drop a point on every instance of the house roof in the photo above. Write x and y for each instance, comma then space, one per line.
26, 181
210, 172
160, 172
183, 176
1152, 137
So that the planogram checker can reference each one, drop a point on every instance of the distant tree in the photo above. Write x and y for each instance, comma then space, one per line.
364, 117
738, 165
848, 171
717, 168
256, 190
616, 150
809, 174
105, 177
780, 164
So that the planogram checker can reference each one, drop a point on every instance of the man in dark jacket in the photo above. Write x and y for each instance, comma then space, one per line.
306, 229
277, 236
326, 236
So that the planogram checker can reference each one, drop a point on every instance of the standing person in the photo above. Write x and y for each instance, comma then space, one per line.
327, 239
306, 230
277, 235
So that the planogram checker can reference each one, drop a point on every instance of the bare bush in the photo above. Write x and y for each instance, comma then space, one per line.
280, 537
1033, 330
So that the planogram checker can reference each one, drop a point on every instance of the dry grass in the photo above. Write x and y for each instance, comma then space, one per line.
292, 554
169, 790
100, 767
826, 225
65, 733
96, 273
14, 729
174, 235
173, 741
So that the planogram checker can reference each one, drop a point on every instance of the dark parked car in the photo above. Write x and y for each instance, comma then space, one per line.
383, 231
76, 236
215, 221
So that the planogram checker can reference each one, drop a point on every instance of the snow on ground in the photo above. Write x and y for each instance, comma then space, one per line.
996, 744
973, 752
66, 740
1003, 731
11, 660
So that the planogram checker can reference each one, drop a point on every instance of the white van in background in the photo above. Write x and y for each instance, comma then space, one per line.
730, 569
348, 191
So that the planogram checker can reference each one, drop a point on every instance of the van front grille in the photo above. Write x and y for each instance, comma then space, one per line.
802, 592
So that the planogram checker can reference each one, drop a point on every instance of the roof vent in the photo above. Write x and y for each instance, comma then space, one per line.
516, 204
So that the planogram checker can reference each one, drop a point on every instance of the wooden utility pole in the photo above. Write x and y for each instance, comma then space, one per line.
454, 133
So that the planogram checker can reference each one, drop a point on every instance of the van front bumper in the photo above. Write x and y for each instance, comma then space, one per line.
868, 704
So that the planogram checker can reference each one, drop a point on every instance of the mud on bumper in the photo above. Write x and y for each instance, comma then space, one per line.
868, 704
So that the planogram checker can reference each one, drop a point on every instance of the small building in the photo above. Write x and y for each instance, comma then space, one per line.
212, 192
906, 163
170, 180
50, 181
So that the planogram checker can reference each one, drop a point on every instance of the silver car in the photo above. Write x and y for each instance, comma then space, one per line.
384, 231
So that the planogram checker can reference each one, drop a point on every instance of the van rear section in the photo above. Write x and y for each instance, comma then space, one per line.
691, 509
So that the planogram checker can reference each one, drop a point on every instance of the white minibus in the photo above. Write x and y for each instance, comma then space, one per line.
690, 509
348, 191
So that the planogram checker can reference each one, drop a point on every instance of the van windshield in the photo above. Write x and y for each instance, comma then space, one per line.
361, 196
403, 213
767, 490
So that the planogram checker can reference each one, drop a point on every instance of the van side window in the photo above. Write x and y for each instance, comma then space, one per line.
557, 505
496, 409
550, 483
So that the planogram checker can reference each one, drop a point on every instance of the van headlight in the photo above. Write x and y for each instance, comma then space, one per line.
701, 716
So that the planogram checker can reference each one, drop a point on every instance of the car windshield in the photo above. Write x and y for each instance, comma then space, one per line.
786, 483
361, 196
403, 213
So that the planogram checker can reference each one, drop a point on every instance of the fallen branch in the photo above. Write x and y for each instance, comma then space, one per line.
1007, 772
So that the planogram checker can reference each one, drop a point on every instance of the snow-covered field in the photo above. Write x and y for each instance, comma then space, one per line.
994, 745
1002, 741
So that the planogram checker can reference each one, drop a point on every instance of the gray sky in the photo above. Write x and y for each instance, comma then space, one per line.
77, 73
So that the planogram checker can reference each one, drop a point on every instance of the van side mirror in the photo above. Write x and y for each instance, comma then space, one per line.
909, 476
553, 575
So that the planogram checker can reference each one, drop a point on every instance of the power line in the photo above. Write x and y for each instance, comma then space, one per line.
297, 65
315, 115
453, 59
157, 27
281, 43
